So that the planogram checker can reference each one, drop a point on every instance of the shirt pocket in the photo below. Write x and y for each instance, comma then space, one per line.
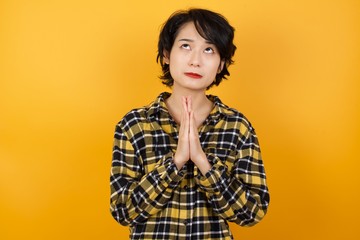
150, 159
226, 156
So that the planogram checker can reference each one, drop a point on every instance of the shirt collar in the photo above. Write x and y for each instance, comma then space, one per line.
220, 107
159, 105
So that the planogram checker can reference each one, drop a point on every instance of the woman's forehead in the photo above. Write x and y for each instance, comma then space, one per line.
189, 32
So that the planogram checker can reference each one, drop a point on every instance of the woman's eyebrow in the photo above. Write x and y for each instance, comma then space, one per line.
186, 40
190, 40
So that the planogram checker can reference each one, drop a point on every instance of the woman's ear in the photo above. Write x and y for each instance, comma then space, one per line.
221, 66
166, 57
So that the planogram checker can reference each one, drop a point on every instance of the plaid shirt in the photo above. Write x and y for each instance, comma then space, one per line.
159, 201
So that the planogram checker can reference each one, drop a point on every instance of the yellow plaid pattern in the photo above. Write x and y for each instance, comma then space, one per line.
158, 201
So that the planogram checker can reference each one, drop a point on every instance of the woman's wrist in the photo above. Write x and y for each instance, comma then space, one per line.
202, 163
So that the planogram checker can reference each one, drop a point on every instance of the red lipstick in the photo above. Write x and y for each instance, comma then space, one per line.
193, 75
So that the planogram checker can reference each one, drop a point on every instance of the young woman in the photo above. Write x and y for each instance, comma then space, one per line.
186, 164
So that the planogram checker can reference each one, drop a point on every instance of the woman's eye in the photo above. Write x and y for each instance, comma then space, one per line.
185, 46
209, 50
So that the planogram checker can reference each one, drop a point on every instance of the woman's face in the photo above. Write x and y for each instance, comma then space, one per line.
193, 61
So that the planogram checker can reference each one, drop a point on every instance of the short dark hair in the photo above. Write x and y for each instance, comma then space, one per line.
210, 25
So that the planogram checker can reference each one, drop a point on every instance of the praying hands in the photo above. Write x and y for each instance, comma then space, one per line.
189, 147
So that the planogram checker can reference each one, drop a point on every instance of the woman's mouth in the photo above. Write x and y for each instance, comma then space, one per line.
193, 75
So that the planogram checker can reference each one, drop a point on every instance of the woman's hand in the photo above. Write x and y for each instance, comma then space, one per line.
182, 154
197, 154
189, 146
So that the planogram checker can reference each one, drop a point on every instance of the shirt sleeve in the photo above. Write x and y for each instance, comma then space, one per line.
134, 195
239, 194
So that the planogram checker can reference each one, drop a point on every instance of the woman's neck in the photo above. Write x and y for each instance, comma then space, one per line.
201, 105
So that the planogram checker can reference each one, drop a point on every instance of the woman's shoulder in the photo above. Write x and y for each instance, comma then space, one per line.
231, 114
144, 113
134, 116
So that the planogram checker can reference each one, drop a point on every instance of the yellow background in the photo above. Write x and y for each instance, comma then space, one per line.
69, 71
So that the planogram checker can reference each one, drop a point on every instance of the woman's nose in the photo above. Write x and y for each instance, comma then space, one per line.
195, 59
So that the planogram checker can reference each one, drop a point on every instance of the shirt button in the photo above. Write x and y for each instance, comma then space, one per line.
185, 187
185, 222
